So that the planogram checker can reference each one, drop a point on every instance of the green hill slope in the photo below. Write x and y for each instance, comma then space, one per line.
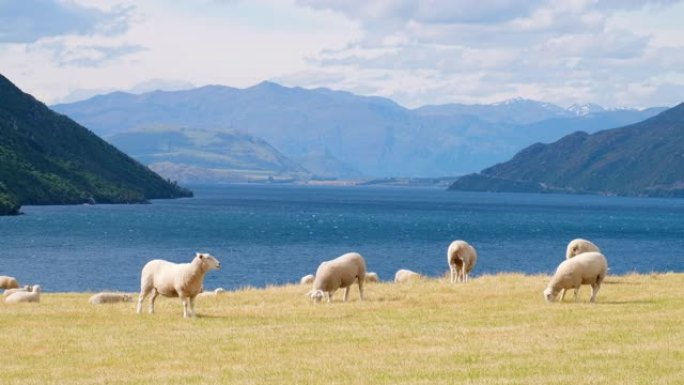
47, 158
642, 159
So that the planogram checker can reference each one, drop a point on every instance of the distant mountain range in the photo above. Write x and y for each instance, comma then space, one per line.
46, 158
339, 134
642, 159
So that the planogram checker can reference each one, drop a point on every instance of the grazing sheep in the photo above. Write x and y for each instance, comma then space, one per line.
404, 275
340, 272
26, 288
307, 279
169, 279
25, 296
104, 298
584, 269
461, 258
7, 282
372, 277
579, 246
212, 293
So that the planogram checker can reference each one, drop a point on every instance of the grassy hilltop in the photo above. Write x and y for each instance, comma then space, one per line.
494, 330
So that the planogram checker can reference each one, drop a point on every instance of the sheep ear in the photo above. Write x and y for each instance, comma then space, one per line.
309, 293
200, 255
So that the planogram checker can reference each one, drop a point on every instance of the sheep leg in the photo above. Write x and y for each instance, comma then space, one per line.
192, 307
328, 296
594, 290
576, 293
141, 299
562, 295
361, 290
453, 272
346, 292
184, 300
155, 293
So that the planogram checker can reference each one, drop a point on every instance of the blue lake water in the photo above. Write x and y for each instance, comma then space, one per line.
276, 234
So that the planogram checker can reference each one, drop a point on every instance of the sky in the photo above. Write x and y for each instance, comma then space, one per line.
615, 53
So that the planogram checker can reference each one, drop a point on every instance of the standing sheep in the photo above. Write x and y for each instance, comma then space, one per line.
584, 269
7, 282
404, 275
25, 296
104, 298
340, 272
461, 258
307, 279
26, 288
170, 279
579, 246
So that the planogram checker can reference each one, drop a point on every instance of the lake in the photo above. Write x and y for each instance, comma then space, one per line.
274, 234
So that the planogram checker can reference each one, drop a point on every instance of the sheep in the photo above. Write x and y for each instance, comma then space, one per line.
461, 258
25, 296
404, 275
170, 279
579, 246
7, 282
26, 288
372, 277
307, 279
340, 272
212, 293
588, 268
105, 298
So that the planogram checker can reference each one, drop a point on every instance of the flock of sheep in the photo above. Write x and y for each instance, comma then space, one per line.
584, 265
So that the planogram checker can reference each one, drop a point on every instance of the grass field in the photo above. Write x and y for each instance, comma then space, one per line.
494, 330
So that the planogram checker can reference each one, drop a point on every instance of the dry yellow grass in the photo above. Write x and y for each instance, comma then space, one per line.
494, 330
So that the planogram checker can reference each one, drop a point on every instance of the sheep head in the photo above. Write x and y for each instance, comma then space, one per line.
549, 295
316, 295
208, 261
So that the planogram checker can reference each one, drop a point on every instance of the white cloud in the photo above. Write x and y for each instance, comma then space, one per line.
420, 52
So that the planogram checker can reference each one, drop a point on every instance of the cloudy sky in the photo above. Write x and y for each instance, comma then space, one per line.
610, 52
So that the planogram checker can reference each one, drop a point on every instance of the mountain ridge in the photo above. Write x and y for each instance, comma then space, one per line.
46, 158
641, 159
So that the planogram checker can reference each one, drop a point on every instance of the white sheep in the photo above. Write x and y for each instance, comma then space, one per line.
579, 246
372, 277
584, 269
26, 288
170, 279
461, 258
340, 272
212, 293
307, 279
25, 296
105, 297
404, 275
7, 282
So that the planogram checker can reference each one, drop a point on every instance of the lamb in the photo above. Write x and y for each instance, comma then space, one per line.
307, 279
461, 258
212, 293
26, 288
579, 246
372, 277
105, 298
584, 269
404, 275
7, 282
340, 272
25, 296
170, 279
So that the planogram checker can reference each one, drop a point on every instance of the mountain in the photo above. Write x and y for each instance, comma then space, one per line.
46, 158
355, 134
207, 156
642, 159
